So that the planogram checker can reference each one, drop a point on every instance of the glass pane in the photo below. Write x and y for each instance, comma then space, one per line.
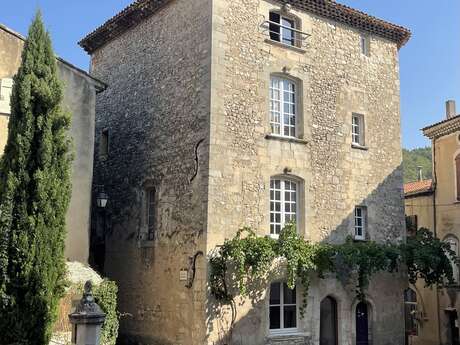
275, 322
289, 295
290, 317
275, 293
273, 27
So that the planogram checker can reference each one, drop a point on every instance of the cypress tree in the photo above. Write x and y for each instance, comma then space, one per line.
35, 191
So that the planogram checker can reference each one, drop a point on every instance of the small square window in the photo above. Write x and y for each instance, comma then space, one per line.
360, 222
357, 130
365, 43
282, 29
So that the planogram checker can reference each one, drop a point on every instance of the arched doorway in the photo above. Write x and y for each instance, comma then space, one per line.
328, 332
362, 324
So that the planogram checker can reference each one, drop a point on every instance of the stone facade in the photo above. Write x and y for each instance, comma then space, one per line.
187, 112
80, 100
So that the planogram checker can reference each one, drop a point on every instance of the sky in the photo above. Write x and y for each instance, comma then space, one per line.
430, 62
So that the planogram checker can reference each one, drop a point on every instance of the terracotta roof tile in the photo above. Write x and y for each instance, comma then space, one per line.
141, 9
418, 187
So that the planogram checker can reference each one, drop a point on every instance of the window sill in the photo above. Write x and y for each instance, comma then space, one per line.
287, 46
287, 139
357, 239
359, 147
286, 334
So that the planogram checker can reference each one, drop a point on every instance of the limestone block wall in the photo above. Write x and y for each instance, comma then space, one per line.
336, 80
156, 114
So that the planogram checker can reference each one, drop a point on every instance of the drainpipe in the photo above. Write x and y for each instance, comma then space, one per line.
434, 186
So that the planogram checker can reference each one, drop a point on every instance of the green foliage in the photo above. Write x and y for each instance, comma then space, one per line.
429, 258
251, 258
414, 158
34, 196
105, 295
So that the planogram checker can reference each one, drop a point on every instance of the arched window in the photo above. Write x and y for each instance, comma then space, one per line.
362, 317
328, 332
410, 315
283, 203
283, 106
457, 175
453, 243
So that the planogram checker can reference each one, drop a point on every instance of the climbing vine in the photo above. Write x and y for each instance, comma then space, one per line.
247, 258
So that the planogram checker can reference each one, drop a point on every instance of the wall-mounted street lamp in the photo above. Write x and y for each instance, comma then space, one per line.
102, 199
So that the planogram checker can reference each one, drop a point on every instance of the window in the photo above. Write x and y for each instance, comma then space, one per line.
410, 312
411, 225
365, 44
457, 175
282, 29
453, 243
151, 214
104, 144
357, 129
360, 222
283, 108
283, 307
283, 204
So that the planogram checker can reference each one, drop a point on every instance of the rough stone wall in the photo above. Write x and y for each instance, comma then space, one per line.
336, 80
80, 101
156, 111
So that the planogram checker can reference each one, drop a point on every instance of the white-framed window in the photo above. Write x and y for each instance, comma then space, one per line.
151, 205
283, 106
357, 129
453, 243
365, 43
360, 222
283, 204
282, 308
282, 29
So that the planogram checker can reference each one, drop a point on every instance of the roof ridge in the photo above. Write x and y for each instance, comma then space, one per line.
141, 9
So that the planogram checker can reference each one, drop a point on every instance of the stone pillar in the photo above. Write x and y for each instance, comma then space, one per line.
87, 319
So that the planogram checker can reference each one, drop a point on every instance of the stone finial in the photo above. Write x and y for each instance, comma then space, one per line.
87, 309
286, 8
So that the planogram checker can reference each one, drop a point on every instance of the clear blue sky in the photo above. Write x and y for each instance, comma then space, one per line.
430, 63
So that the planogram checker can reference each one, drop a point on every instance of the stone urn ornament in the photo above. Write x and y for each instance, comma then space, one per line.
87, 319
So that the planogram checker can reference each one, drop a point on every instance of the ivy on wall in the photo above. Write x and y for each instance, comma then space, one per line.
247, 258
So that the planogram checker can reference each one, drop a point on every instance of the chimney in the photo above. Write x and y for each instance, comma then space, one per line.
420, 173
450, 109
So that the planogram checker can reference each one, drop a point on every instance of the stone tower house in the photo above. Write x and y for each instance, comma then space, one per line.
221, 114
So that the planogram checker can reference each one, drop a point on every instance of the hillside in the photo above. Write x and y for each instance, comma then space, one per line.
414, 158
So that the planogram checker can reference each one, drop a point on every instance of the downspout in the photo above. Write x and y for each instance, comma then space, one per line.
435, 181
